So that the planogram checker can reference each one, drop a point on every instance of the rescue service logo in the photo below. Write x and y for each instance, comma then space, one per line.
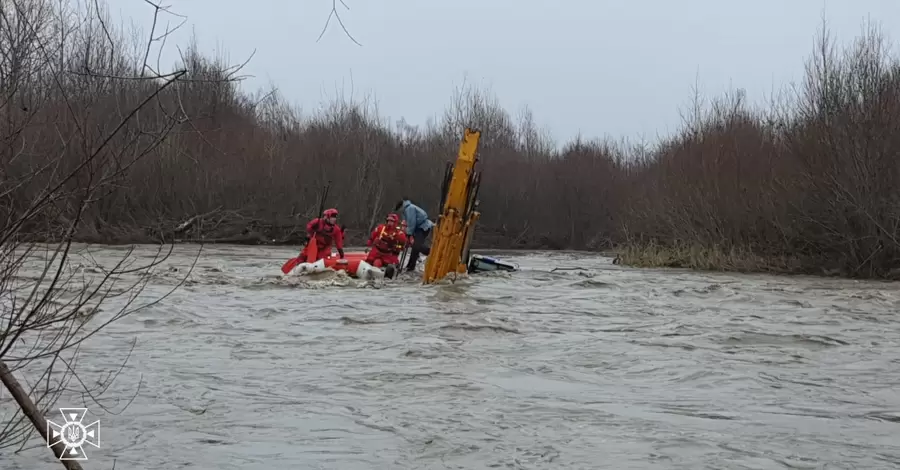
73, 433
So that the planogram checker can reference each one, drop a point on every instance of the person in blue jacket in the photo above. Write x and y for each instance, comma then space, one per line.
418, 228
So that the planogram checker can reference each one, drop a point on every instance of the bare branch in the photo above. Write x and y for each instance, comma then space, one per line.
334, 14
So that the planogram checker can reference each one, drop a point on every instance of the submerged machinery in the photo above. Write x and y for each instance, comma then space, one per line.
459, 212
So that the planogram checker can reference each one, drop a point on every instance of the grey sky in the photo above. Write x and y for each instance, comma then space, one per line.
618, 68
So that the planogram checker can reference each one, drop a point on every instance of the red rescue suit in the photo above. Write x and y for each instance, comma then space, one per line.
387, 242
324, 234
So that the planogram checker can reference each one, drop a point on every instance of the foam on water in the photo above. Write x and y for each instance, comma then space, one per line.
596, 367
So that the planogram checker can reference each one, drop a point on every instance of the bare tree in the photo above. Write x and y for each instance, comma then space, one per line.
79, 113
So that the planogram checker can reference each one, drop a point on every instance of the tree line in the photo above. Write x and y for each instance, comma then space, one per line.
808, 184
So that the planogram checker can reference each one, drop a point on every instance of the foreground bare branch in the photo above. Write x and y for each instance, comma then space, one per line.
80, 115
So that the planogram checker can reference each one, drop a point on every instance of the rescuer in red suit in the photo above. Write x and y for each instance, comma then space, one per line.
324, 231
387, 241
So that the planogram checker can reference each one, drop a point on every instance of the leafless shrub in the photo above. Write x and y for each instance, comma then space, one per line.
809, 178
814, 179
80, 116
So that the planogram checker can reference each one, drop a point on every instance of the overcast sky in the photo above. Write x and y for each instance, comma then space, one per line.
617, 68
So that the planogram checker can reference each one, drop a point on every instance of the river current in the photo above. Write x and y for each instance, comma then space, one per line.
571, 363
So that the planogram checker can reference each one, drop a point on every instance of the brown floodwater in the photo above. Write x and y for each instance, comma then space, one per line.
590, 366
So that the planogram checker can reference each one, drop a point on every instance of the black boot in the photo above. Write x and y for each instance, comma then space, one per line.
390, 271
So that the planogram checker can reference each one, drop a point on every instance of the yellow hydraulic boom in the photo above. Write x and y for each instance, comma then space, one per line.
456, 224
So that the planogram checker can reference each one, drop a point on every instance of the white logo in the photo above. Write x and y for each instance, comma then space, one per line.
73, 433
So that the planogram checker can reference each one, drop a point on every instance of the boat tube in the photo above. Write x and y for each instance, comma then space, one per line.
481, 263
354, 264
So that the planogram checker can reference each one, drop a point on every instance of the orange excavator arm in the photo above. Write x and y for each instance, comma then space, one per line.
456, 224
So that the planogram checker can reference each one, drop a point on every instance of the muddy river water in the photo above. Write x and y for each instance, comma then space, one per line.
598, 367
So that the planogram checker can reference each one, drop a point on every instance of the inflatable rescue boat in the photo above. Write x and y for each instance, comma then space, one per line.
354, 264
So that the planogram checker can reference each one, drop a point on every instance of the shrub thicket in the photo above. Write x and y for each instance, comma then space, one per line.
809, 185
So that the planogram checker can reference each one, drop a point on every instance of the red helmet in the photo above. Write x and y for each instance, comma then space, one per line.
330, 213
393, 218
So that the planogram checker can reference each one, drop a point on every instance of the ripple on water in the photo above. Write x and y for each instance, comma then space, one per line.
596, 367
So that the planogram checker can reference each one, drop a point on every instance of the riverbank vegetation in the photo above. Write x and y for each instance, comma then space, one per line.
80, 110
809, 184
